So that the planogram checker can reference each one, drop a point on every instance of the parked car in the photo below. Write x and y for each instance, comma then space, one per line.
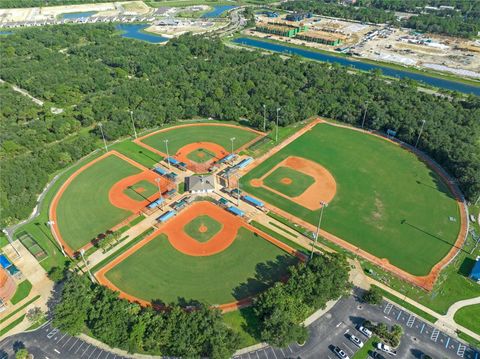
340, 353
385, 348
52, 333
377, 355
355, 340
368, 333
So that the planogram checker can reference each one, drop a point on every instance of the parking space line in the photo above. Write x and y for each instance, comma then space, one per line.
411, 320
273, 352
423, 327
291, 351
461, 350
74, 344
79, 348
435, 334
256, 353
388, 308
282, 352
101, 351
59, 340
448, 341
399, 313
93, 351
108, 354
69, 338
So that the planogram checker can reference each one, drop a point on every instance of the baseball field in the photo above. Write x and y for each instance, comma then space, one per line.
383, 199
159, 271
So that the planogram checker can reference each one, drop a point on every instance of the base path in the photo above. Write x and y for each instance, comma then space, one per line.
216, 150
322, 190
426, 282
189, 246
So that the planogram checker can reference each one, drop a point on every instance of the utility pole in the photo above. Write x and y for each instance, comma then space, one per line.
238, 191
264, 118
103, 136
158, 180
420, 133
232, 139
50, 224
133, 124
82, 252
168, 156
276, 132
365, 113
324, 204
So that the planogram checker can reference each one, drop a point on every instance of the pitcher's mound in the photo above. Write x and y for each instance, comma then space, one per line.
203, 229
286, 180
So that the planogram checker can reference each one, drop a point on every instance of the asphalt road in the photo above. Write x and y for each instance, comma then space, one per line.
331, 329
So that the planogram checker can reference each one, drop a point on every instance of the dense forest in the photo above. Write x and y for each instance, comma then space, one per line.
201, 332
94, 75
4, 4
460, 22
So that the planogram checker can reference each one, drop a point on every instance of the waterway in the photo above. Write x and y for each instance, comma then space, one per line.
218, 11
429, 80
77, 15
134, 31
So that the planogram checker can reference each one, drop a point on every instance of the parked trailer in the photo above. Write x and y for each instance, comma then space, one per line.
236, 211
166, 216
253, 201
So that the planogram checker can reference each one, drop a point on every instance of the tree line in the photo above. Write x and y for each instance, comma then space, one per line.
96, 76
200, 332
7, 4
460, 22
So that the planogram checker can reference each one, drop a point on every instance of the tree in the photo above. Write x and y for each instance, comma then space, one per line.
22, 354
35, 314
56, 274
373, 296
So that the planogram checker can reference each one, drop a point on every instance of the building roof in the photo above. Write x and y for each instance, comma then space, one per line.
475, 273
201, 183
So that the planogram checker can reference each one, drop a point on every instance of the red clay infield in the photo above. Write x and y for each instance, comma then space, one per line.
187, 245
322, 190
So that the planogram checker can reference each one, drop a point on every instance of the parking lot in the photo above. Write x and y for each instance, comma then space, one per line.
332, 330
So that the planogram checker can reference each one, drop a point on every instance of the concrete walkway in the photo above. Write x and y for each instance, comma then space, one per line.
456, 306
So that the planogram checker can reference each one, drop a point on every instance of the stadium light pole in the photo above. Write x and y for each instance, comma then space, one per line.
365, 113
50, 224
232, 139
420, 133
133, 124
324, 204
168, 156
82, 252
158, 180
276, 132
264, 118
103, 136
238, 190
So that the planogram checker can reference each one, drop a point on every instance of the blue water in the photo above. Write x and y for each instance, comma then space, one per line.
77, 15
133, 31
218, 10
433, 81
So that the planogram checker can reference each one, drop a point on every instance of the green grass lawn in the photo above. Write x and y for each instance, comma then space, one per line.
388, 202
245, 323
140, 191
299, 181
137, 153
211, 227
368, 347
469, 317
179, 137
200, 156
84, 210
159, 271
22, 292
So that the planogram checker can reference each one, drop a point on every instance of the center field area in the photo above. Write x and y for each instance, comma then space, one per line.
182, 136
158, 271
84, 210
388, 202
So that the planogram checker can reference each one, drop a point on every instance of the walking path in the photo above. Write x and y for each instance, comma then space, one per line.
456, 306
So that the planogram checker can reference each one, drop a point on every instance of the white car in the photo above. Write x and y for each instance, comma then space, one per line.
356, 341
368, 333
386, 349
340, 353
52, 333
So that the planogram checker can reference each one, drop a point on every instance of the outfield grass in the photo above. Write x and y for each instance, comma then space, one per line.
135, 192
84, 210
179, 137
469, 317
158, 271
200, 156
193, 228
388, 202
22, 292
246, 324
299, 181
137, 153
